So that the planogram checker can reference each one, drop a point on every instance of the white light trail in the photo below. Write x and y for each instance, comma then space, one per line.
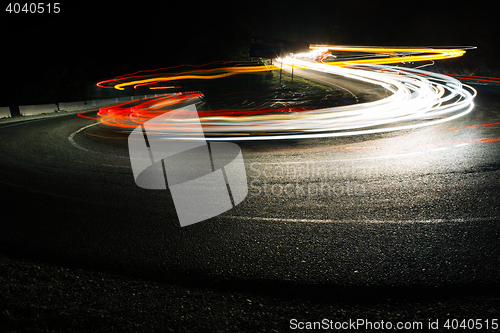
418, 98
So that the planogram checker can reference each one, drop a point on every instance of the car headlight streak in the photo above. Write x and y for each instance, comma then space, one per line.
417, 98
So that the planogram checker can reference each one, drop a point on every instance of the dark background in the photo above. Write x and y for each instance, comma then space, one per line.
51, 58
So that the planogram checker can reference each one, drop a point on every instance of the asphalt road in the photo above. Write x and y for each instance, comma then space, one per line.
355, 91
407, 209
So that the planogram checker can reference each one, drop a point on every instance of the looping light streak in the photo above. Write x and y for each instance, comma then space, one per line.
417, 98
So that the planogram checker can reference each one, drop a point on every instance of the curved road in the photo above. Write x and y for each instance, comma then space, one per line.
414, 208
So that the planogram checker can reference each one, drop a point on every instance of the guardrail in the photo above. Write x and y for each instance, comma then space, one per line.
32, 110
5, 112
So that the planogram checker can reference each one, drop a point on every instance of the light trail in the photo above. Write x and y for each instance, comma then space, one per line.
209, 71
133, 113
385, 55
417, 98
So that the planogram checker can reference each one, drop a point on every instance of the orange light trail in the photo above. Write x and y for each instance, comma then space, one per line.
167, 74
473, 126
166, 87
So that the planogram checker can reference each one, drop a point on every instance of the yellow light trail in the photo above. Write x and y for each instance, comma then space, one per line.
392, 53
373, 56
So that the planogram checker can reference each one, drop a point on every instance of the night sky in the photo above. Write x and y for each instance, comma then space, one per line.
59, 57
